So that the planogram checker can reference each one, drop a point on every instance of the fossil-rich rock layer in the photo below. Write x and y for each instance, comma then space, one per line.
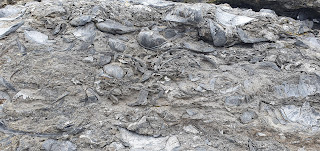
300, 9
155, 75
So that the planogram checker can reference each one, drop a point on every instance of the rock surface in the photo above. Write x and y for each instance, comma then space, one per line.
301, 9
157, 75
278, 5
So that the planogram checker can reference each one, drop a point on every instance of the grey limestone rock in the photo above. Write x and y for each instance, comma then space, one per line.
150, 39
113, 27
80, 20
247, 117
55, 145
114, 71
5, 31
117, 45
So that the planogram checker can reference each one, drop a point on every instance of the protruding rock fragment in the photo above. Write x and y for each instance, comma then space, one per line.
191, 129
172, 143
86, 33
29, 94
21, 47
36, 37
5, 31
4, 97
248, 117
91, 96
234, 100
11, 12
185, 14
198, 47
114, 71
117, 45
304, 115
6, 84
142, 98
140, 142
80, 20
228, 19
113, 27
54, 145
151, 39
116, 146
218, 34
103, 60
248, 39
146, 75
134, 126
88, 59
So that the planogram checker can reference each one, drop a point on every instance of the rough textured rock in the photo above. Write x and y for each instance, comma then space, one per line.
6, 31
37, 37
114, 27
53, 145
150, 39
114, 70
300, 9
278, 5
247, 117
117, 45
80, 20
138, 142
156, 75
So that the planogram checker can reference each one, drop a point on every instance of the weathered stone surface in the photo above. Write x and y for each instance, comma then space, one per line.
139, 142
5, 31
114, 70
172, 143
80, 20
191, 129
37, 37
247, 117
117, 45
103, 60
4, 96
304, 115
150, 39
157, 75
234, 100
185, 14
86, 33
198, 47
53, 145
113, 27
302, 8
218, 34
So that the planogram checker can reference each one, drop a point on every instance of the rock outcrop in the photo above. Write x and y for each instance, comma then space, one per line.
156, 75
299, 9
